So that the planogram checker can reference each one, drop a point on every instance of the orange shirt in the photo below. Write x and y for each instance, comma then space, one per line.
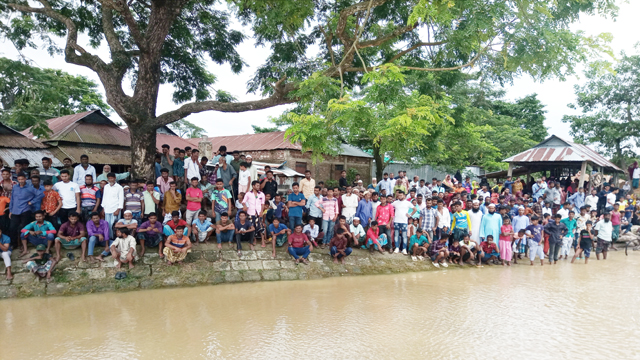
3, 204
50, 201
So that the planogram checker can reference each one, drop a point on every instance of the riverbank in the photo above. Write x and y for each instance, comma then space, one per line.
205, 265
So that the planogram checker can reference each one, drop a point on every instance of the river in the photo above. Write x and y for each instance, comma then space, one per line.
529, 312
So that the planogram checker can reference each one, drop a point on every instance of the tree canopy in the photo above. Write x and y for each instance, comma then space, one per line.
610, 105
185, 128
30, 95
168, 42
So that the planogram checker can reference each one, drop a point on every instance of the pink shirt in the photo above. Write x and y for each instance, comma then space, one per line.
164, 186
194, 192
384, 214
330, 207
254, 202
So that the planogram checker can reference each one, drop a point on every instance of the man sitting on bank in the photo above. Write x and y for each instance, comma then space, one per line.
123, 248
41, 264
299, 245
38, 232
177, 246
338, 245
225, 230
71, 235
150, 234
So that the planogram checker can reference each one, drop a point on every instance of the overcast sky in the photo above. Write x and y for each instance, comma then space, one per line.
554, 94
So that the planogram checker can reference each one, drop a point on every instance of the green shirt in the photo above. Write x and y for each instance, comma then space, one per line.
570, 224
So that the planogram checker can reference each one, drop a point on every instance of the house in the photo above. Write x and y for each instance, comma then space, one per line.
273, 148
14, 145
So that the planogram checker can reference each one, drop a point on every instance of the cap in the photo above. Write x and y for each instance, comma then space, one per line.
41, 247
248, 156
492, 205
128, 212
356, 218
476, 202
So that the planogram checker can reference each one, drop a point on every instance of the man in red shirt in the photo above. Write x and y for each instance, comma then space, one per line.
299, 245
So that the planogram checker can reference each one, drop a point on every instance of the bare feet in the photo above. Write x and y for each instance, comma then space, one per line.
335, 260
263, 244
341, 261
219, 246
99, 258
273, 255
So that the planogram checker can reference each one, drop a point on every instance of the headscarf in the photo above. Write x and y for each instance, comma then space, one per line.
632, 168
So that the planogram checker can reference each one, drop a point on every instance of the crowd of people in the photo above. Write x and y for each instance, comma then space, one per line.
190, 202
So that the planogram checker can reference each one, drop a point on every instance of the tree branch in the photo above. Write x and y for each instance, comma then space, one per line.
279, 97
109, 31
328, 39
348, 11
420, 44
122, 7
392, 35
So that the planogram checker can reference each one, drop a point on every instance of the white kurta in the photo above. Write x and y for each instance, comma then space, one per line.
476, 220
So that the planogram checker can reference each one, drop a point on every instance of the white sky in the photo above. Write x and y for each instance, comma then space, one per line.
553, 93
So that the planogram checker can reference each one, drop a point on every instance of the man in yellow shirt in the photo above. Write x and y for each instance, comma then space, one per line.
307, 184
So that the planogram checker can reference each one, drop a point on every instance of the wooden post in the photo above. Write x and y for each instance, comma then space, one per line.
583, 171
510, 171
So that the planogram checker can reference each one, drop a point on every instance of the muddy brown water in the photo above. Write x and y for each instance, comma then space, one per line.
529, 312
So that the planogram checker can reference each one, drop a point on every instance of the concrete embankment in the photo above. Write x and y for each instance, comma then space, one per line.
205, 265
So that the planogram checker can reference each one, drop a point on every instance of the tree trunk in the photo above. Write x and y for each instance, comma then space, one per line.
620, 157
378, 158
143, 151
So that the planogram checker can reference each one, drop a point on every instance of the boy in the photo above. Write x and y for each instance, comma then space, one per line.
418, 245
519, 245
202, 227
439, 252
375, 240
534, 234
338, 245
41, 264
220, 199
571, 223
224, 230
490, 250
194, 201
468, 250
177, 246
455, 252
245, 231
313, 232
556, 231
603, 231
357, 232
123, 248
586, 238
5, 252
278, 233
51, 203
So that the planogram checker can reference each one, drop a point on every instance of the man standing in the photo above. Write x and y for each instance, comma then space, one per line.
475, 215
365, 210
592, 200
106, 170
227, 173
20, 207
253, 170
429, 219
222, 152
167, 159
178, 167
556, 230
112, 201
194, 201
220, 200
460, 222
164, 180
70, 194
36, 203
314, 211
491, 223
68, 165
307, 184
387, 184
253, 204
192, 167
47, 172
90, 197
342, 182
295, 202
269, 185
604, 231
349, 204
577, 199
83, 169
403, 210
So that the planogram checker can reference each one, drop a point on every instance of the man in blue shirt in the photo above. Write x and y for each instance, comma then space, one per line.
314, 211
296, 203
509, 184
22, 196
37, 200
365, 209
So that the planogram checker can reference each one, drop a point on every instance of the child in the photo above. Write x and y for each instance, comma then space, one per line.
439, 252
123, 248
51, 203
455, 251
375, 240
5, 251
338, 246
313, 232
468, 249
586, 239
239, 205
534, 234
418, 245
278, 234
202, 227
41, 264
489, 250
571, 224
546, 218
519, 245
244, 178
177, 246
506, 235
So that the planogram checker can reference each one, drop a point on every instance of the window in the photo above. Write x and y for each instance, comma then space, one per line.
301, 167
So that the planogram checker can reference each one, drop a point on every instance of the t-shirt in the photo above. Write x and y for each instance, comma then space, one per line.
611, 199
357, 230
401, 209
605, 229
298, 240
5, 240
202, 226
243, 177
417, 240
296, 210
615, 218
132, 201
274, 230
149, 204
313, 232
71, 231
194, 192
220, 197
585, 239
68, 193
224, 223
505, 229
488, 248
536, 231
239, 226
3, 204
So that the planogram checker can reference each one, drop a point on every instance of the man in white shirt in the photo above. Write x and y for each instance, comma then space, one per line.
611, 198
415, 183
349, 204
192, 167
82, 170
70, 194
403, 210
592, 200
603, 230
483, 193
112, 201
538, 189
387, 184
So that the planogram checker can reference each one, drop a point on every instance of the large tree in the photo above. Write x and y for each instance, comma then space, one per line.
30, 95
166, 41
610, 104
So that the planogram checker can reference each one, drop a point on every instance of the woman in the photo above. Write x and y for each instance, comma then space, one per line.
631, 169
447, 181
507, 195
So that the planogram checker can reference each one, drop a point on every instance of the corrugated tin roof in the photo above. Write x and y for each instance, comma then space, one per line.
268, 141
172, 141
97, 155
10, 155
556, 149
10, 138
60, 126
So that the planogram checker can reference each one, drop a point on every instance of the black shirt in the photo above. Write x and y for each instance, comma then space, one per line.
585, 240
270, 187
343, 183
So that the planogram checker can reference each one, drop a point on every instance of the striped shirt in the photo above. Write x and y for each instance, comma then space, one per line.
330, 206
132, 201
89, 195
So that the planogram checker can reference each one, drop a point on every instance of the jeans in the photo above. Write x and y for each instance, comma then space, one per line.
168, 231
299, 252
386, 230
334, 251
92, 243
86, 210
400, 230
111, 219
293, 221
244, 237
554, 250
40, 239
225, 236
327, 227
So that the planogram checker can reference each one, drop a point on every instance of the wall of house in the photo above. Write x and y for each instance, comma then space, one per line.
326, 170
